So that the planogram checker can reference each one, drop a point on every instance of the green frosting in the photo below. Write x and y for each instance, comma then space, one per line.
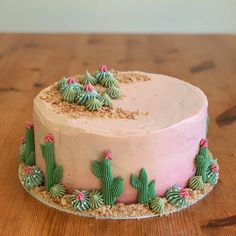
69, 94
53, 172
57, 191
85, 96
93, 104
29, 156
80, 203
212, 177
105, 100
99, 75
146, 191
174, 198
157, 205
109, 81
113, 92
62, 84
196, 183
22, 152
111, 187
95, 199
33, 177
202, 163
88, 79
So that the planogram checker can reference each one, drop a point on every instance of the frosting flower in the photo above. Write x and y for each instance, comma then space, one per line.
28, 170
80, 196
29, 125
184, 193
214, 168
88, 87
203, 143
103, 68
49, 138
108, 155
71, 80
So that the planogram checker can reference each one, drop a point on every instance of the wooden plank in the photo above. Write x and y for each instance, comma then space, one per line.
30, 62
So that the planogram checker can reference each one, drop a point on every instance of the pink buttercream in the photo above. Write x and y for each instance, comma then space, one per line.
71, 80
28, 170
88, 87
214, 168
203, 143
184, 193
29, 125
103, 68
49, 138
80, 196
107, 155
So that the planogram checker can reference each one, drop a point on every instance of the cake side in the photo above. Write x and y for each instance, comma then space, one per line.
163, 140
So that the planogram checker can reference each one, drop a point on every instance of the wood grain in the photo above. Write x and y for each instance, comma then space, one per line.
30, 62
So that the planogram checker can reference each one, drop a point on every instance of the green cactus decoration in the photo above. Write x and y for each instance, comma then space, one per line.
27, 149
157, 205
80, 200
202, 160
95, 199
212, 173
53, 172
145, 191
111, 187
22, 150
57, 191
32, 177
196, 183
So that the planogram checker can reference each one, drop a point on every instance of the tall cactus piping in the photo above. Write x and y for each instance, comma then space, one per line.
53, 172
202, 160
146, 191
28, 154
111, 187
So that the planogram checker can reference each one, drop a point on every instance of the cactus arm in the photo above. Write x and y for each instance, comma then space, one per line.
47, 150
143, 176
96, 169
57, 175
117, 186
135, 182
30, 159
152, 189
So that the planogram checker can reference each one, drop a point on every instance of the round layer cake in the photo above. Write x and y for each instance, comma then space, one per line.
157, 124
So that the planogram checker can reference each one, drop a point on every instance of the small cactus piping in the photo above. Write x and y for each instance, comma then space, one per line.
102, 73
22, 150
32, 177
61, 84
53, 172
88, 79
80, 200
196, 183
212, 173
105, 100
146, 191
177, 197
157, 205
28, 156
95, 199
113, 92
86, 95
109, 81
57, 191
111, 187
93, 104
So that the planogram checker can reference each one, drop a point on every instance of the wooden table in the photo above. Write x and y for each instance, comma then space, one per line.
28, 63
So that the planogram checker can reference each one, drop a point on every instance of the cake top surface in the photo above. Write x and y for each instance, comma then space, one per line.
147, 106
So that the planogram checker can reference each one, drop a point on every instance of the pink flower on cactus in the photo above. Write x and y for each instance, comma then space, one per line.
88, 88
214, 168
22, 140
71, 80
103, 68
108, 155
203, 143
184, 193
49, 138
80, 196
28, 170
29, 125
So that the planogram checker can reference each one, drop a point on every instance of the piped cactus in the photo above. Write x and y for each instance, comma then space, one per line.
111, 187
27, 149
202, 160
145, 191
53, 172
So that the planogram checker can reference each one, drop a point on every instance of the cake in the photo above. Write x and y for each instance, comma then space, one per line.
126, 140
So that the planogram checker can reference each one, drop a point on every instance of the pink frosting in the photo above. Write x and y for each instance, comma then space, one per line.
165, 141
29, 125
184, 193
49, 138
71, 80
203, 143
28, 170
80, 196
103, 68
88, 87
107, 155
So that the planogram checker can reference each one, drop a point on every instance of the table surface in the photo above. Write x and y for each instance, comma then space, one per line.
30, 62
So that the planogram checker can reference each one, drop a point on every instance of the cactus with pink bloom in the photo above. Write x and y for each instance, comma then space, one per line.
102, 73
27, 148
53, 172
146, 191
111, 187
